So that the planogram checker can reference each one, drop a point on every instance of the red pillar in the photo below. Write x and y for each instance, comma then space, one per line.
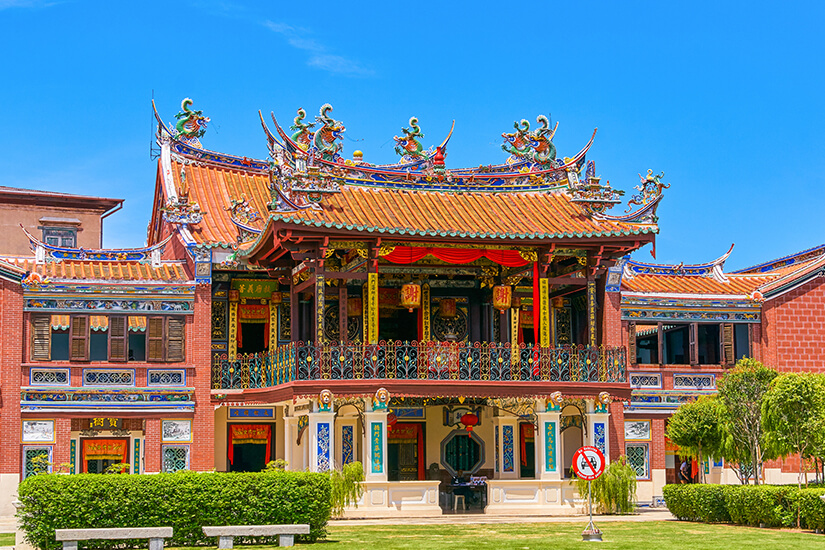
616, 427
202, 452
151, 450
12, 337
62, 443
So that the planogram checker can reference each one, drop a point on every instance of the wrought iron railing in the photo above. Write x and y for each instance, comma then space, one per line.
483, 361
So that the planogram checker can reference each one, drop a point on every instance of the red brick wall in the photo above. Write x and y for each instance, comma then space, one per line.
793, 331
611, 328
11, 355
657, 445
151, 452
199, 351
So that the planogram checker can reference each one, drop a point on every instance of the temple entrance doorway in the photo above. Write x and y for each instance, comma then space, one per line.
405, 452
252, 337
399, 325
249, 447
98, 454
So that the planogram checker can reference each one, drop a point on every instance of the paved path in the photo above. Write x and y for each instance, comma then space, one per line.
644, 514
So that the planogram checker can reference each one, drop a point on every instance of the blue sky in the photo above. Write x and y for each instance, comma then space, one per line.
725, 97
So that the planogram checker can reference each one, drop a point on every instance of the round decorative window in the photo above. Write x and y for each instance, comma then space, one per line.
462, 451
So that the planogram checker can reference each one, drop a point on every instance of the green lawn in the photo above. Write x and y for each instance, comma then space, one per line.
6, 539
662, 535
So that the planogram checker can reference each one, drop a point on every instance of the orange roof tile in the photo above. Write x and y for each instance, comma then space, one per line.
522, 215
104, 271
739, 285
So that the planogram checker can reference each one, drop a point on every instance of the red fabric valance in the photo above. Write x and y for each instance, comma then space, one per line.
407, 432
240, 434
412, 254
253, 313
105, 449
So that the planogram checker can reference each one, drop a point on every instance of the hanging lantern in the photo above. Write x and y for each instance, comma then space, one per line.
234, 295
410, 296
447, 308
469, 420
355, 307
502, 297
276, 298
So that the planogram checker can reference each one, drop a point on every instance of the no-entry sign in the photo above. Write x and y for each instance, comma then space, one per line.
588, 463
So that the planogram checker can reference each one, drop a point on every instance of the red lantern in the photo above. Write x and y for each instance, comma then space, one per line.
276, 298
447, 308
502, 297
234, 295
469, 420
410, 296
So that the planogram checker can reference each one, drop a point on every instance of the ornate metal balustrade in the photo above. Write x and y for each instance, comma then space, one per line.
483, 361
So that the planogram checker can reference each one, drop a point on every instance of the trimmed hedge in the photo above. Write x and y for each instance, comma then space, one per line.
768, 505
697, 502
186, 501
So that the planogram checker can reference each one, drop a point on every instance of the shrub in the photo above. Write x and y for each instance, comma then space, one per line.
615, 490
698, 502
761, 504
186, 501
771, 505
811, 507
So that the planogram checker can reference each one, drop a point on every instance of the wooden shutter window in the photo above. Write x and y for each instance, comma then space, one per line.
727, 344
694, 336
154, 340
631, 342
118, 338
175, 341
79, 338
41, 338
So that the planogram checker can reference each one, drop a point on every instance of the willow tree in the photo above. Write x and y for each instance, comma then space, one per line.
741, 392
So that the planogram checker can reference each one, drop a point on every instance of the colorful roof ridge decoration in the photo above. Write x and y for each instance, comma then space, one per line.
49, 253
307, 183
40, 274
711, 269
785, 261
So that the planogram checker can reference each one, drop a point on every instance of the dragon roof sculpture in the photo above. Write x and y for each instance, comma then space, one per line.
306, 165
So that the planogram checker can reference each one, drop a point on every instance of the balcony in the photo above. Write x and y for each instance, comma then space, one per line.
420, 361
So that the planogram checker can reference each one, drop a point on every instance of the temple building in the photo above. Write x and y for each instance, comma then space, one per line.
455, 330
685, 325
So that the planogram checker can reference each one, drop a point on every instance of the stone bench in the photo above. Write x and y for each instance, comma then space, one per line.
226, 533
70, 537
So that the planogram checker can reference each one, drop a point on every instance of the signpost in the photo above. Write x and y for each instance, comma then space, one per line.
589, 463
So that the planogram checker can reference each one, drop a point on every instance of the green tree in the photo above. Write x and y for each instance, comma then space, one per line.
741, 392
793, 413
694, 427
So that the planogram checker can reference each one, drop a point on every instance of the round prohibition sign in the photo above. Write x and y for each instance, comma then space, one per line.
588, 463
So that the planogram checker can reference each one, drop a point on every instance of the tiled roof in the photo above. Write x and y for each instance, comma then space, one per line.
104, 271
523, 215
738, 284
675, 284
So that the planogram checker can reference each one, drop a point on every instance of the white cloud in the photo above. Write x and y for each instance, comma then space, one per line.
321, 58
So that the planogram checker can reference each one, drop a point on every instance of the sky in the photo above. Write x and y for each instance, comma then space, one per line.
726, 98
